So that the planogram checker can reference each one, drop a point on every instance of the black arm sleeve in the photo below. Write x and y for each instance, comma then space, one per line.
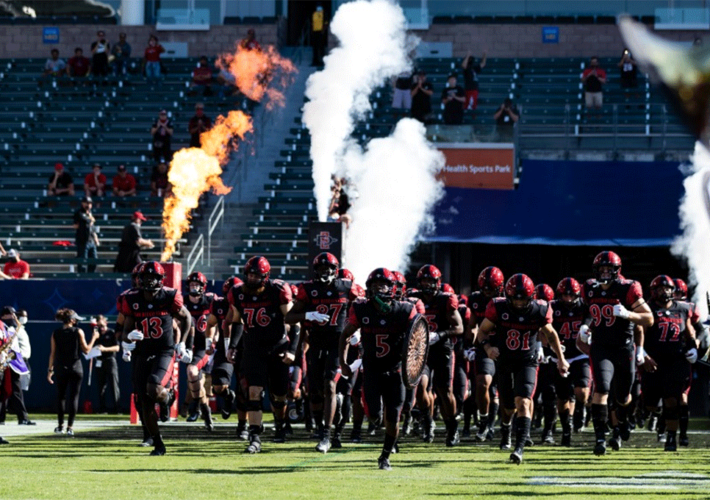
294, 335
237, 331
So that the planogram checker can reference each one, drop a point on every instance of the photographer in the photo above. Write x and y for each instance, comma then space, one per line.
593, 78
162, 132
99, 59
106, 366
452, 98
198, 124
87, 241
506, 118
629, 72
121, 52
421, 97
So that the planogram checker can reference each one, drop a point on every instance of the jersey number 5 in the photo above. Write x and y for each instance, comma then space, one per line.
383, 347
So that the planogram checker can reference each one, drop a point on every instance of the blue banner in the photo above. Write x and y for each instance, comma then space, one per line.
550, 34
50, 35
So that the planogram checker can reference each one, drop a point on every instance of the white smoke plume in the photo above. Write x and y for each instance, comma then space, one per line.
693, 244
392, 183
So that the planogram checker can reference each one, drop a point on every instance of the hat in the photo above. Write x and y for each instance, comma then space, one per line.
12, 253
7, 310
58, 166
77, 317
163, 112
139, 216
121, 168
86, 199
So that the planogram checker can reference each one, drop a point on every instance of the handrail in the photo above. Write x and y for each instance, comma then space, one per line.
218, 216
191, 260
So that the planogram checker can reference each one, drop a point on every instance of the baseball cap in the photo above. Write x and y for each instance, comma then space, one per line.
12, 253
121, 168
139, 216
77, 317
7, 310
58, 166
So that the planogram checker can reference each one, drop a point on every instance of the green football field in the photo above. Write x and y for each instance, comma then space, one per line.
105, 461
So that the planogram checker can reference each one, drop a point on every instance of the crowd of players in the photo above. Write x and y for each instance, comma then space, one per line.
579, 349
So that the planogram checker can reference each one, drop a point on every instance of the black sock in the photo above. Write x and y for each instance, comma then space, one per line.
389, 444
492, 413
326, 431
157, 440
621, 415
318, 416
564, 420
522, 430
549, 412
146, 434
255, 430
684, 417
600, 414
452, 425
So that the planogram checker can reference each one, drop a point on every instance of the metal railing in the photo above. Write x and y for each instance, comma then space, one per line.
196, 253
216, 217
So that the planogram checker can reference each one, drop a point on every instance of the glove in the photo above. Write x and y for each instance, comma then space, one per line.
181, 352
621, 312
584, 334
641, 355
434, 337
540, 354
226, 344
355, 339
470, 354
692, 355
128, 346
208, 344
127, 356
135, 335
187, 357
317, 317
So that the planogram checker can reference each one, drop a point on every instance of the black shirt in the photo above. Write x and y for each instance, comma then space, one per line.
453, 110
421, 102
107, 339
67, 352
470, 76
129, 237
505, 120
63, 181
83, 232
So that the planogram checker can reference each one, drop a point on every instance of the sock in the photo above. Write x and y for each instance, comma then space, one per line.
326, 431
621, 415
157, 440
318, 415
254, 430
522, 430
146, 434
549, 412
683, 419
452, 426
600, 414
389, 444
564, 420
492, 413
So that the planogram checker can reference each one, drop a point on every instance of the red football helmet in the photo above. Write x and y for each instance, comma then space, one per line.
432, 273
260, 266
543, 291
135, 282
446, 288
381, 284
569, 286
325, 267
662, 288
520, 287
681, 289
345, 274
200, 280
231, 283
606, 259
491, 281
151, 276
400, 284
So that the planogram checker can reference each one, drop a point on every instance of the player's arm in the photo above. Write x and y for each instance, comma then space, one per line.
343, 345
638, 335
549, 333
187, 328
128, 326
483, 337
471, 329
297, 314
456, 323
211, 333
236, 328
640, 313
285, 308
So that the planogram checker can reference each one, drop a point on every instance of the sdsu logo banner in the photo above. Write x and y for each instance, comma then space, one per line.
325, 237
478, 165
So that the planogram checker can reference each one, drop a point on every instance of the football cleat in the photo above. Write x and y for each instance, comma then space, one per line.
158, 451
279, 434
566, 439
165, 407
453, 439
490, 434
228, 404
193, 412
146, 443
324, 445
671, 444
517, 456
254, 445
624, 431
207, 417
683, 440
288, 429
615, 441
505, 443
384, 463
356, 436
407, 425
547, 438
70, 432
336, 443
59, 429
600, 448
482, 431
242, 431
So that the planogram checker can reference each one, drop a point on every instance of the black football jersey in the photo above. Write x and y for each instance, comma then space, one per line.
154, 318
199, 311
261, 313
331, 299
567, 321
607, 329
437, 312
516, 332
665, 339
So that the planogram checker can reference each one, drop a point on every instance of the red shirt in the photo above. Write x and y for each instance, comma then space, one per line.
16, 269
152, 54
79, 65
90, 180
201, 76
126, 183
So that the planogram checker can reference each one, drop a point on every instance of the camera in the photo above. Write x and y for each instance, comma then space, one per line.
94, 322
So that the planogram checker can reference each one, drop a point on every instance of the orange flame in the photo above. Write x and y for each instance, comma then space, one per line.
259, 72
194, 171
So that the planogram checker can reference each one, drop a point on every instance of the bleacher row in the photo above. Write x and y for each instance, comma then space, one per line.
79, 123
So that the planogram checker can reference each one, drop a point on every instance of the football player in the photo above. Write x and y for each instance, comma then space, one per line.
383, 323
545, 396
509, 334
148, 332
613, 307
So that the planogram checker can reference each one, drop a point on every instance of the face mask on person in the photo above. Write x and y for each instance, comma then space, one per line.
23, 320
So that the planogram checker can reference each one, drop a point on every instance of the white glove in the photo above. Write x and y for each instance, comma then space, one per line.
317, 317
470, 354
621, 312
641, 355
434, 337
584, 334
208, 344
127, 356
540, 354
135, 335
128, 346
226, 344
355, 339
692, 355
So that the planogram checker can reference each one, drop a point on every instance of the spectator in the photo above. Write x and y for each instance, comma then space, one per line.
402, 97
54, 66
250, 43
95, 182
16, 398
319, 30
198, 124
16, 268
106, 366
159, 183
121, 53
453, 98
506, 117
86, 238
162, 132
629, 72
340, 202
593, 78
100, 49
151, 60
78, 66
226, 83
129, 249
202, 78
25, 348
421, 97
124, 184
60, 182
470, 79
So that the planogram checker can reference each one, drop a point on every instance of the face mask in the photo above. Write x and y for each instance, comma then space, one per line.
23, 320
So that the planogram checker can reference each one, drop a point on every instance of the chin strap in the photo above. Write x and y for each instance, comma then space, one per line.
386, 308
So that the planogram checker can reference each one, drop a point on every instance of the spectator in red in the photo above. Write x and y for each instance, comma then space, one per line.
79, 66
60, 182
95, 182
470, 79
16, 268
151, 60
202, 78
162, 132
593, 78
198, 124
124, 184
250, 42
159, 183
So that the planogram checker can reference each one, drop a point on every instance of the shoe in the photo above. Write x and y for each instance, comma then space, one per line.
59, 429
517, 456
324, 445
254, 445
660, 435
4, 441
26, 422
505, 443
193, 413
529, 442
453, 439
547, 438
671, 444
279, 434
207, 417
70, 432
600, 448
158, 451
395, 448
242, 431
146, 442
683, 440
335, 442
371, 429
466, 433
288, 429
566, 439
165, 407
652, 422
355, 436
228, 404
624, 431
491, 434
407, 425
482, 432
615, 441
384, 463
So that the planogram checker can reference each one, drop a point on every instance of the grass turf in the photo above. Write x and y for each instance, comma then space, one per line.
107, 463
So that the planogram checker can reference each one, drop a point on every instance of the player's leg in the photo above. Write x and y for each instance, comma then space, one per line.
358, 408
624, 377
602, 374
158, 377
525, 381
507, 401
485, 369
546, 386
278, 391
393, 390
581, 374
444, 387
330, 381
315, 363
425, 403
564, 389
683, 411
344, 391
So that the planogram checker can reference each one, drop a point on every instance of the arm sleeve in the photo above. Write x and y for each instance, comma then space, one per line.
491, 313
294, 335
285, 295
237, 331
301, 294
177, 304
352, 317
634, 294
452, 302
